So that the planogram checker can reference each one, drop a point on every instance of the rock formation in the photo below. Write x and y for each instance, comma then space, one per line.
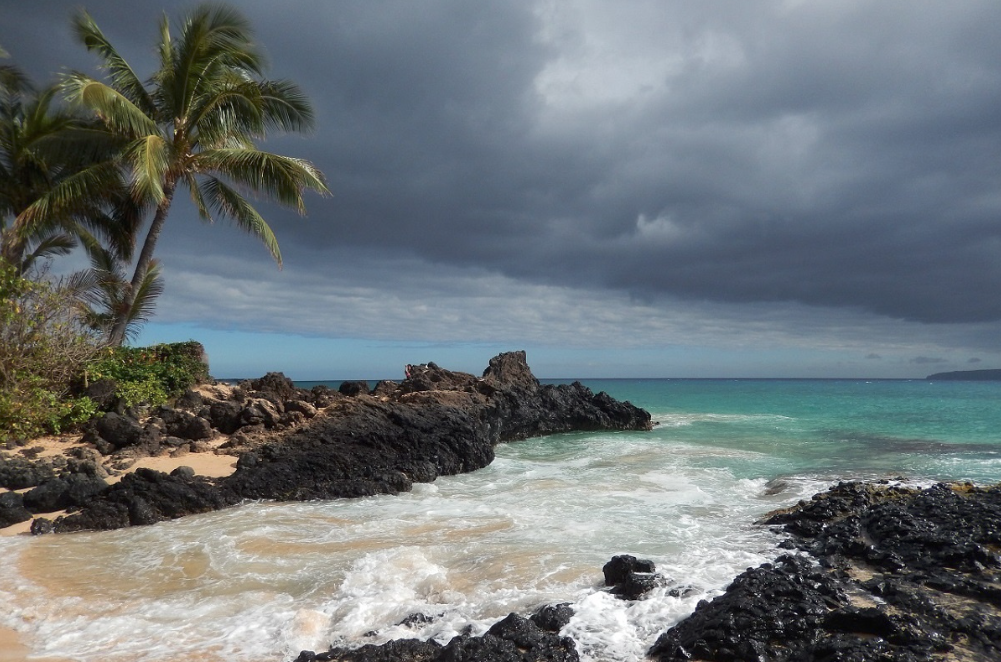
887, 574
299, 445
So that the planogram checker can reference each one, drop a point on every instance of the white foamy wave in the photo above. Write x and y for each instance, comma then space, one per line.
263, 581
684, 420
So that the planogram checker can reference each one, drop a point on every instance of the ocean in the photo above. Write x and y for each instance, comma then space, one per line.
262, 581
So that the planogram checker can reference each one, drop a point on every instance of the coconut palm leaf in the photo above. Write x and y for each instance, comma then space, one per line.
55, 174
113, 107
196, 121
60, 243
231, 204
123, 78
281, 178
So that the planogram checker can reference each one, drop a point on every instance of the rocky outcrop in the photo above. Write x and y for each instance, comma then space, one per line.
512, 639
887, 574
436, 422
322, 444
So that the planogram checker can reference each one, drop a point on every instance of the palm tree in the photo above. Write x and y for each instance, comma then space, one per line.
193, 124
57, 179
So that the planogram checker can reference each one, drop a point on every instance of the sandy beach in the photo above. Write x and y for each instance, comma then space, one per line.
205, 464
12, 648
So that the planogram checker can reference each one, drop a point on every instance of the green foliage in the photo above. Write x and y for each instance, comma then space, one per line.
43, 346
194, 124
150, 375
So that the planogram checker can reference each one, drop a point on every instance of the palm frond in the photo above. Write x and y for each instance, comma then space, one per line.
123, 78
286, 107
13, 81
214, 39
150, 160
282, 178
115, 109
60, 243
75, 194
145, 301
198, 198
234, 109
231, 204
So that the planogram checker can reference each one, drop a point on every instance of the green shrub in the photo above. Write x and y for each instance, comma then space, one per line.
43, 346
150, 375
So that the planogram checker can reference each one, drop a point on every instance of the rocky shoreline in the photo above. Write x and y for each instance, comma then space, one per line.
883, 573
297, 445
878, 572
872, 573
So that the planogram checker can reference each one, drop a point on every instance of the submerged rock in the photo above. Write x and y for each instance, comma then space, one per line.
631, 578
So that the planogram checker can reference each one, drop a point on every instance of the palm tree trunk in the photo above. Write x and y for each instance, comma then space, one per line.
117, 336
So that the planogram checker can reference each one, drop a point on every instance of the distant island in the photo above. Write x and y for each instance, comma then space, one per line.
968, 375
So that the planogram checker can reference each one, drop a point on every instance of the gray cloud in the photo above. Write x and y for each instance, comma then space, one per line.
819, 161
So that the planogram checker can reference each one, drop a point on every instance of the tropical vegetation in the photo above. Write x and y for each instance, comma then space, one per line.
44, 347
193, 124
95, 163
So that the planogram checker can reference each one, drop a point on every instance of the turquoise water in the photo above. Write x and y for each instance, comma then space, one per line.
263, 581
916, 429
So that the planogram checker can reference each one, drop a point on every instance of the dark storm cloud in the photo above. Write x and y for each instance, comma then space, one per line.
831, 154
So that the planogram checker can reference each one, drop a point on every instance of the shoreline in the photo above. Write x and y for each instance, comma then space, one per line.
13, 649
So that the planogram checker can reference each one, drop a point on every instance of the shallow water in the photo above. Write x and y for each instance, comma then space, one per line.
264, 581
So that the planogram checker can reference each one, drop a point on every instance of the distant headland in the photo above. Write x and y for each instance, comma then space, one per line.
968, 375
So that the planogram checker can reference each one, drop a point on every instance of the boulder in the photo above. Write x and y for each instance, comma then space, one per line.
64, 492
12, 510
353, 388
273, 386
183, 424
553, 618
18, 473
629, 577
145, 497
117, 430
301, 407
225, 415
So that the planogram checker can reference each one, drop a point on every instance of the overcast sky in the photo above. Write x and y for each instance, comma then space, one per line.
630, 188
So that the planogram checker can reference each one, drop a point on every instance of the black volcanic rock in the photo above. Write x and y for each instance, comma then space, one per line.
119, 431
629, 577
352, 388
436, 422
12, 510
553, 618
17, 473
146, 497
889, 574
72, 489
512, 639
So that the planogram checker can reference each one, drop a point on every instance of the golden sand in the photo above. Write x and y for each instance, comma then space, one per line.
205, 464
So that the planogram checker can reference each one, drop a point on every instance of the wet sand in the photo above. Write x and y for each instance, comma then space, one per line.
13, 650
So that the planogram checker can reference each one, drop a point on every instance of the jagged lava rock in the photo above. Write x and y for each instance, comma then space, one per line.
436, 422
890, 574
